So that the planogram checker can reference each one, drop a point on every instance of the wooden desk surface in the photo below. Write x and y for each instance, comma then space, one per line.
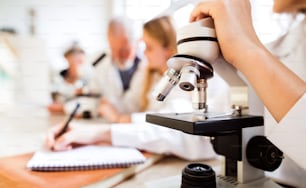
23, 129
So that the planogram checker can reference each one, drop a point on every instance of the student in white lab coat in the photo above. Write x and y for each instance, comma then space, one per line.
114, 72
159, 37
290, 49
69, 83
281, 87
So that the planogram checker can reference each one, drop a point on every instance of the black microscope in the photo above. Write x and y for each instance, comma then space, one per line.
238, 135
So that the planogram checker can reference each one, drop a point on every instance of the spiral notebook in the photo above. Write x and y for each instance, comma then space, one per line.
85, 158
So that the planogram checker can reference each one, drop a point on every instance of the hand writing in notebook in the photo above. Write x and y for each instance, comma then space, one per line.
66, 125
77, 134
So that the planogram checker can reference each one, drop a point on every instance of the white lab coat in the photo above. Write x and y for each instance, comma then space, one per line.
164, 140
107, 82
289, 134
67, 92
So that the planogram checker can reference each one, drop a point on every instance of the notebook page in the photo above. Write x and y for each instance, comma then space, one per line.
86, 157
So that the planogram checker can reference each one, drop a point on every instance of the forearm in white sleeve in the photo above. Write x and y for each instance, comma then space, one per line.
138, 118
162, 140
289, 135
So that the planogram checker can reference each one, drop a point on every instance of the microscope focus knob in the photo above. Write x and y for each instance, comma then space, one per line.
262, 154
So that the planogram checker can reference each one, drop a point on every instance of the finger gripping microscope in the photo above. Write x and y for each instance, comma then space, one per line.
237, 136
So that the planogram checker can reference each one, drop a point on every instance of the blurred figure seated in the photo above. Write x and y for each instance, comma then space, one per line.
71, 85
116, 69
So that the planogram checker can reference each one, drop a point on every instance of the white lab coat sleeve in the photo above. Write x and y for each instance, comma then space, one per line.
162, 140
177, 101
138, 117
289, 135
177, 105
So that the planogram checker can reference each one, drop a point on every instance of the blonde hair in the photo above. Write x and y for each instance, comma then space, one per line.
163, 31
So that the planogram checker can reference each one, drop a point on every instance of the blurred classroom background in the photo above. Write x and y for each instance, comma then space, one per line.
34, 34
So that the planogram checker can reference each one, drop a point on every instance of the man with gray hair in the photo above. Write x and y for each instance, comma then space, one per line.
115, 70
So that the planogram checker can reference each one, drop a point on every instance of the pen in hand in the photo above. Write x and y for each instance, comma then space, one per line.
64, 129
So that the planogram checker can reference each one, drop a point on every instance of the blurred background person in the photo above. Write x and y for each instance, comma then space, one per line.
115, 69
71, 82
159, 35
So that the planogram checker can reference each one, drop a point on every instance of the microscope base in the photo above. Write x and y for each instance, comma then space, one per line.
222, 182
228, 182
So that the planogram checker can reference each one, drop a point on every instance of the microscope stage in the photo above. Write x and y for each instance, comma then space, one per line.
205, 124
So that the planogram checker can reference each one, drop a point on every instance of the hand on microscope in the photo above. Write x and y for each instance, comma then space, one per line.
241, 47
